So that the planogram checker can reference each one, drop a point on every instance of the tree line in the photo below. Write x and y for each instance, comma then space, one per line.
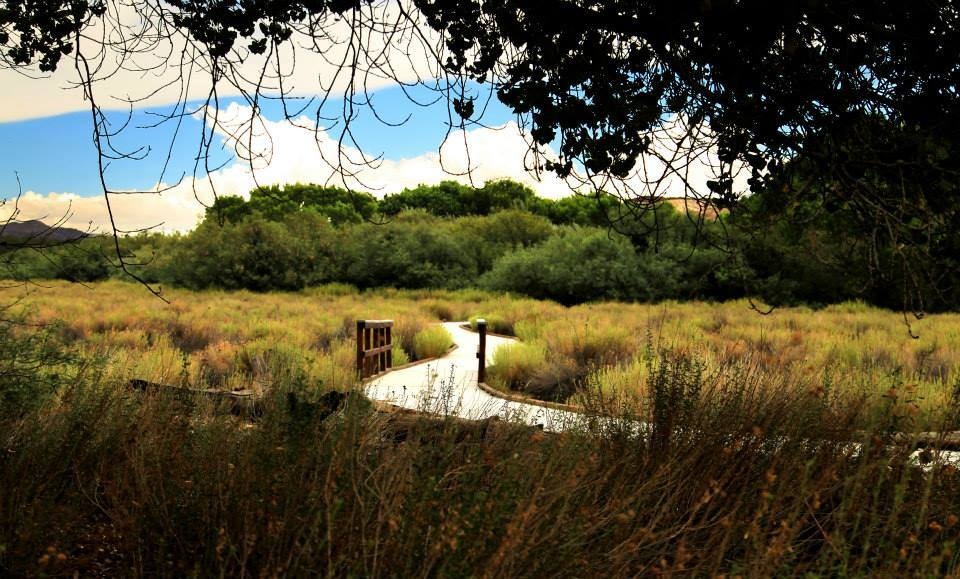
500, 237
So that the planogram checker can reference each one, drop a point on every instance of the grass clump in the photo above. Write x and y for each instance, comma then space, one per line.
496, 324
399, 355
213, 365
514, 365
432, 342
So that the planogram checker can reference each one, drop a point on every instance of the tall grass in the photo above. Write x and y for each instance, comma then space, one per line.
860, 351
751, 478
432, 342
744, 466
514, 365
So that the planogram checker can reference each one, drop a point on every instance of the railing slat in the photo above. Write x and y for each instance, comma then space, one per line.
374, 347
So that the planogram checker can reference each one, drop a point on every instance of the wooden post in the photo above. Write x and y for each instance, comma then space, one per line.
361, 330
482, 351
382, 356
390, 351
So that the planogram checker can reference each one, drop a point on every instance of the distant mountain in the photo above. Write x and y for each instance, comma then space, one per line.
692, 205
38, 232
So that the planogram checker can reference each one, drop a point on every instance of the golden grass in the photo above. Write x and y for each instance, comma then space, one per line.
229, 339
432, 342
743, 472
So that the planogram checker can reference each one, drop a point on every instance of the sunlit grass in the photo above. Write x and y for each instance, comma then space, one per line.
432, 342
746, 467
514, 365
215, 338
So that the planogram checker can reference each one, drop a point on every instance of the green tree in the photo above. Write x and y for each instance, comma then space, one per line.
228, 208
257, 254
580, 265
498, 194
446, 199
336, 204
412, 251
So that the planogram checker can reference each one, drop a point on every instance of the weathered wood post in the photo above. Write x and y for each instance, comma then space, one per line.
482, 351
388, 355
361, 358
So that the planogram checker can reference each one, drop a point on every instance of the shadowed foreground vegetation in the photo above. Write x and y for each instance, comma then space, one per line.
99, 480
746, 466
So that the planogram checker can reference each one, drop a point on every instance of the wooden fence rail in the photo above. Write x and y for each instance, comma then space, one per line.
374, 347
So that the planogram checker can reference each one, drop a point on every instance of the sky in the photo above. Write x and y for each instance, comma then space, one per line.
55, 161
49, 164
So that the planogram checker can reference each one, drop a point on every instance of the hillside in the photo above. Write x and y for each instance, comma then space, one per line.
38, 232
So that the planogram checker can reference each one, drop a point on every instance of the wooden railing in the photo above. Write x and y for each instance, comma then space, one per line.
374, 347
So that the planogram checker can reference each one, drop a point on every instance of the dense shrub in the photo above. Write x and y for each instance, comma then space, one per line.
83, 260
577, 266
256, 254
574, 249
409, 252
492, 236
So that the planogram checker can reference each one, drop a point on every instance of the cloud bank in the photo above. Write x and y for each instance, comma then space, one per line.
278, 152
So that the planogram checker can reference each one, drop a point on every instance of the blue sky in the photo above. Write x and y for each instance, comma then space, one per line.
56, 154
57, 163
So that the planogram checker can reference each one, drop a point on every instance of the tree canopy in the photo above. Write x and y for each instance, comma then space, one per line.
852, 104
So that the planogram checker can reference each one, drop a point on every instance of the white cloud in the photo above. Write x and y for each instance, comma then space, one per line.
288, 152
285, 152
133, 57
175, 210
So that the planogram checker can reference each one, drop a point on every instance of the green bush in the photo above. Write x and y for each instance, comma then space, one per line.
581, 265
33, 365
84, 260
412, 251
491, 236
256, 254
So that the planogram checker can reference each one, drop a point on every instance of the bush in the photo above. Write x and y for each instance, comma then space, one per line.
33, 364
581, 265
256, 254
83, 260
409, 252
492, 236
432, 342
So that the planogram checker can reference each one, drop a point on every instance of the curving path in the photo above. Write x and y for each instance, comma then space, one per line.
448, 386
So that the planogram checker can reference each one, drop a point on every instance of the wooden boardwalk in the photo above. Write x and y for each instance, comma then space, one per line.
448, 386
